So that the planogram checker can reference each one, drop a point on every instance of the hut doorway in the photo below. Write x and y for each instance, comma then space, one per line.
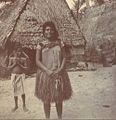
32, 63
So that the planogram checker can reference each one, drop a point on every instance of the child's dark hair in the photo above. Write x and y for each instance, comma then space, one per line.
17, 45
52, 25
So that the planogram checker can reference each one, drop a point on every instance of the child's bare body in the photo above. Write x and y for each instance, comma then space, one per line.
18, 65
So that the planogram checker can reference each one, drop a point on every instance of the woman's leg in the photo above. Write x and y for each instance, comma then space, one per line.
47, 109
59, 107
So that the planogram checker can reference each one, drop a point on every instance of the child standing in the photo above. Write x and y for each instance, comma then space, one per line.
18, 65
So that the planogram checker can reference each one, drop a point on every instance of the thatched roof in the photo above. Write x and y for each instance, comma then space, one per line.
22, 19
8, 19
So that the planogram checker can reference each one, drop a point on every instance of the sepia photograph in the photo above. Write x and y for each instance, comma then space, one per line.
57, 59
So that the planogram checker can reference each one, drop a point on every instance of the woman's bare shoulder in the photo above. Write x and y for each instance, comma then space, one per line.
40, 45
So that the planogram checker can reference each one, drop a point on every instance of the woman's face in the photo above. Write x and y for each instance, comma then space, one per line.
49, 32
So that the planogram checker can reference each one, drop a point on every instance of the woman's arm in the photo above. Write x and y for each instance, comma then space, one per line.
59, 70
39, 64
63, 52
63, 61
63, 64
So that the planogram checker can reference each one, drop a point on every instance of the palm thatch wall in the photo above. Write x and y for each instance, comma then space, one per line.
8, 19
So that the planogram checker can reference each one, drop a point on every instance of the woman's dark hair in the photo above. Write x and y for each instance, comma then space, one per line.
52, 25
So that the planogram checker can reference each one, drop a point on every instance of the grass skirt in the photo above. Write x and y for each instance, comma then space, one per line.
52, 89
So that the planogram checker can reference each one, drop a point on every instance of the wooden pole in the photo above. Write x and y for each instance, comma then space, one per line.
78, 6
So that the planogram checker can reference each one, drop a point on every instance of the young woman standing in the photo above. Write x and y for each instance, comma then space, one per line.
52, 81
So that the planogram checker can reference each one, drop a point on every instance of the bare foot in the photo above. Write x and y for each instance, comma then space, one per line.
60, 118
25, 109
14, 109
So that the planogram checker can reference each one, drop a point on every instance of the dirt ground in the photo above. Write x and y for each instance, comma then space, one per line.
94, 97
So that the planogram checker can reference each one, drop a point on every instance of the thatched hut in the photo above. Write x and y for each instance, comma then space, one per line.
21, 22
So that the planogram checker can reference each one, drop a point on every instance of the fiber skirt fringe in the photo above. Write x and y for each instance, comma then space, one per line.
52, 89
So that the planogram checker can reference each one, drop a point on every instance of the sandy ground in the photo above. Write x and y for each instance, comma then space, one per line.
94, 97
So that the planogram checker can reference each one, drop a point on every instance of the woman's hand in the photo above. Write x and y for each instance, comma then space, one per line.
49, 72
58, 71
